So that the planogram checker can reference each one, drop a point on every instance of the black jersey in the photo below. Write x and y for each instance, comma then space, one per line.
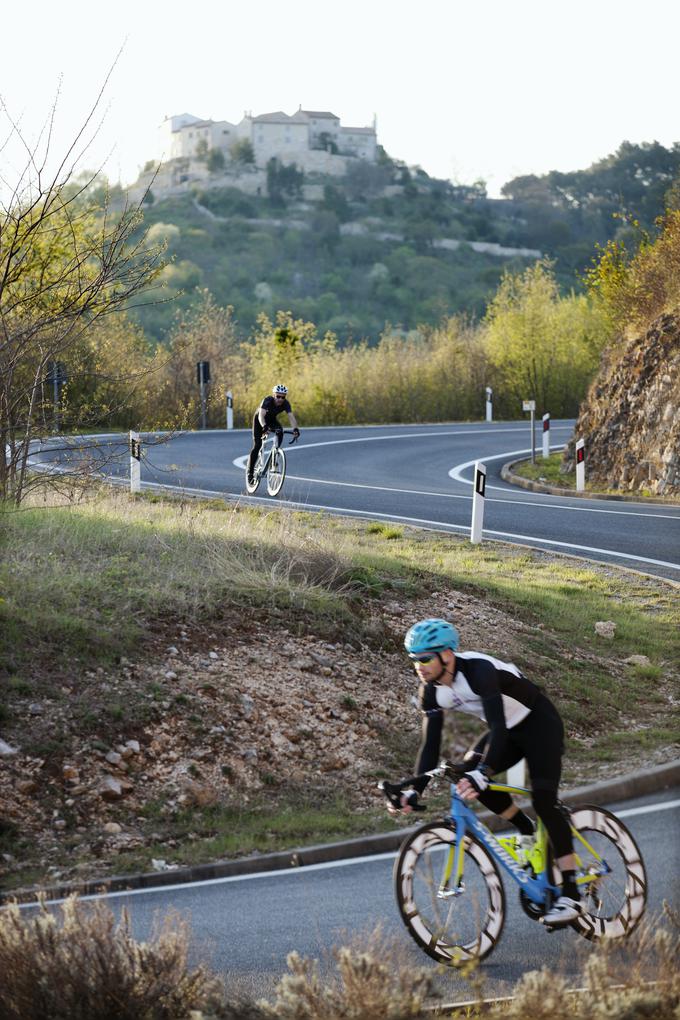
495, 691
272, 409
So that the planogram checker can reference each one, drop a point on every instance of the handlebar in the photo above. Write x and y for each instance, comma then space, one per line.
284, 432
453, 771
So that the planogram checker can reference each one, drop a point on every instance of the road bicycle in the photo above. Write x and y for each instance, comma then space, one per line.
271, 461
448, 875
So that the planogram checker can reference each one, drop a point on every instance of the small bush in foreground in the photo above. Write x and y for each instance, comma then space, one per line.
85, 965
370, 983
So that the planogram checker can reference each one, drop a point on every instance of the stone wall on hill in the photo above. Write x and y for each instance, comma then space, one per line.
630, 419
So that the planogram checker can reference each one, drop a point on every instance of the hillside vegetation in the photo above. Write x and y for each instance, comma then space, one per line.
275, 252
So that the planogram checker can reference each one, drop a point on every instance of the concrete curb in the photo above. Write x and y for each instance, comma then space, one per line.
636, 784
508, 475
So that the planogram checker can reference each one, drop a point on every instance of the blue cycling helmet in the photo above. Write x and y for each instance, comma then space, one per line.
431, 636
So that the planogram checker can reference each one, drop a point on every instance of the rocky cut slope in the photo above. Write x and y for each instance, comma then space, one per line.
630, 419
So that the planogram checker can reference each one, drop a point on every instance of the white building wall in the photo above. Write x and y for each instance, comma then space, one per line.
280, 140
358, 142
323, 125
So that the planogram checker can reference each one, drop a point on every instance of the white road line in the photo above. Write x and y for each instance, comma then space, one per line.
648, 809
463, 496
323, 866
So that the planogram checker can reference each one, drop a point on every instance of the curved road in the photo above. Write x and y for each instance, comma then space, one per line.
245, 927
414, 474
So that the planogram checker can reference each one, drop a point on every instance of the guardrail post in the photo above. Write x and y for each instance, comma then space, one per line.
489, 403
135, 462
478, 503
230, 410
517, 774
546, 435
580, 465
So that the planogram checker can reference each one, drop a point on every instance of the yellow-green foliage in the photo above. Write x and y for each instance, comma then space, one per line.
634, 290
433, 374
542, 346
533, 343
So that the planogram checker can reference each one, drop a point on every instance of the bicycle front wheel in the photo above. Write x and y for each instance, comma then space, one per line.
453, 917
611, 875
276, 472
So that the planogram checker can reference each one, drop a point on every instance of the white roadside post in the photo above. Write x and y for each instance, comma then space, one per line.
489, 403
580, 465
517, 774
478, 503
530, 405
135, 462
546, 435
230, 410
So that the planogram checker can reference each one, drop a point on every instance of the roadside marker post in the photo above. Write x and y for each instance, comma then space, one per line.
546, 436
517, 774
530, 405
230, 410
135, 462
478, 503
580, 465
489, 403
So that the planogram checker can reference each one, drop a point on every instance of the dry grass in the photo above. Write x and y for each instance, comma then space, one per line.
85, 965
368, 981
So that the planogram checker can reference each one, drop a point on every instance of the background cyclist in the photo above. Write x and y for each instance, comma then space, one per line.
265, 419
523, 723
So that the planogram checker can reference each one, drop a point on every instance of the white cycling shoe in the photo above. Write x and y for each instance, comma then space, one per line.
563, 911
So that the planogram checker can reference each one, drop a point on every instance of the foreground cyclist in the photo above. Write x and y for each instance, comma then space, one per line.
265, 420
523, 723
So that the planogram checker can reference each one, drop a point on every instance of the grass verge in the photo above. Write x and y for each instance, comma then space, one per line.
89, 584
548, 471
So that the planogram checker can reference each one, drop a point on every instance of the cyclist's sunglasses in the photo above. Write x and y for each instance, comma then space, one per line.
425, 659
279, 396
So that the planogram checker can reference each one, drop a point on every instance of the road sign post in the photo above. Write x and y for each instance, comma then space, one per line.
580, 465
57, 378
546, 435
478, 503
203, 378
530, 405
135, 462
489, 403
230, 410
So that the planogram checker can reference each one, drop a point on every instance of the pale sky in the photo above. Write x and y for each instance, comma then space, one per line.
490, 89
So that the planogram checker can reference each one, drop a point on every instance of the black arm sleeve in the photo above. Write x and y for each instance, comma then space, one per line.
433, 721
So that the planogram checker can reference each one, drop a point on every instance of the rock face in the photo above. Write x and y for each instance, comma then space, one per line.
630, 419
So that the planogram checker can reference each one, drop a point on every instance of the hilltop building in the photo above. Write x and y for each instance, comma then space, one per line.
308, 138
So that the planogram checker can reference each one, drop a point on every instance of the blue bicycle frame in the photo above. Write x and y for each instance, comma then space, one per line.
538, 888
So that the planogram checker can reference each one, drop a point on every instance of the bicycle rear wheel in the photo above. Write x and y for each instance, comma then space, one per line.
276, 472
611, 875
452, 922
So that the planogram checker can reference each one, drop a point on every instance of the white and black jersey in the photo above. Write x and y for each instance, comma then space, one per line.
496, 692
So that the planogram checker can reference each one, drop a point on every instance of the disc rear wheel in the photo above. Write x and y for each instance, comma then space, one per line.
611, 875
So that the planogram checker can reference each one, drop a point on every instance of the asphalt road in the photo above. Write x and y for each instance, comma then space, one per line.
245, 927
417, 474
